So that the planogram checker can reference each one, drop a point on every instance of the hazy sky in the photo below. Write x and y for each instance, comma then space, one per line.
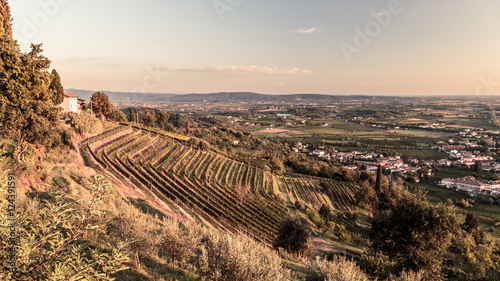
373, 47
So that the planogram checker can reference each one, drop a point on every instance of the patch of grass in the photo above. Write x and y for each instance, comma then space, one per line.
144, 206
451, 172
299, 271
166, 271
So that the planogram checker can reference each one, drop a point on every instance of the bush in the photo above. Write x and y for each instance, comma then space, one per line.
339, 269
117, 116
238, 258
176, 242
85, 123
325, 211
375, 266
51, 240
294, 236
300, 205
315, 218
408, 276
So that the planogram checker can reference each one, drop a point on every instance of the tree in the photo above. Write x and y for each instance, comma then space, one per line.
56, 88
414, 233
325, 211
5, 18
478, 167
149, 118
378, 182
27, 112
117, 115
471, 222
162, 119
293, 236
101, 106
188, 126
132, 116
277, 166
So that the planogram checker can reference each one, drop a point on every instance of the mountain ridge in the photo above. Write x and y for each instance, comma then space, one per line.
219, 97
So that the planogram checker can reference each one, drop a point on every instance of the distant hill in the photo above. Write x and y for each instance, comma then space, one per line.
249, 97
122, 96
218, 97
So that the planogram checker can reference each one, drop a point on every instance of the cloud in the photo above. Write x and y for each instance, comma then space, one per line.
243, 69
306, 30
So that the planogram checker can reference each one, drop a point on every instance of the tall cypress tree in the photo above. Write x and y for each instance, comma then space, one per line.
5, 18
378, 182
132, 115
56, 88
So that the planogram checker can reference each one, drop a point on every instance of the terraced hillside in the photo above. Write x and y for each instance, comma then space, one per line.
211, 187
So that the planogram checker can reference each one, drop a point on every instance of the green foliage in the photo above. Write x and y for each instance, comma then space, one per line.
294, 236
376, 266
339, 269
162, 120
378, 182
408, 276
300, 205
366, 196
149, 119
315, 217
56, 88
85, 124
471, 259
276, 166
27, 112
50, 243
325, 211
239, 258
101, 106
5, 18
117, 115
414, 233
133, 117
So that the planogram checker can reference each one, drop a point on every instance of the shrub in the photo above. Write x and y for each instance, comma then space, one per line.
375, 266
238, 258
51, 240
300, 205
408, 276
85, 123
325, 211
315, 218
176, 243
293, 236
117, 116
339, 269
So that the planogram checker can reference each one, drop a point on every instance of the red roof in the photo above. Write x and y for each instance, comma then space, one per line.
69, 95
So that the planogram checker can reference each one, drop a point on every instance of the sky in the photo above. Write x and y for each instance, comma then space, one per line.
337, 47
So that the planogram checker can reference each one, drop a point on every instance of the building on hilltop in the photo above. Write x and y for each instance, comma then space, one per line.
70, 104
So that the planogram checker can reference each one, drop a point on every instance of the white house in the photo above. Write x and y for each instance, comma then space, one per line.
70, 103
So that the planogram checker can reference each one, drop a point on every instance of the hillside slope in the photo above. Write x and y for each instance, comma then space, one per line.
206, 186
